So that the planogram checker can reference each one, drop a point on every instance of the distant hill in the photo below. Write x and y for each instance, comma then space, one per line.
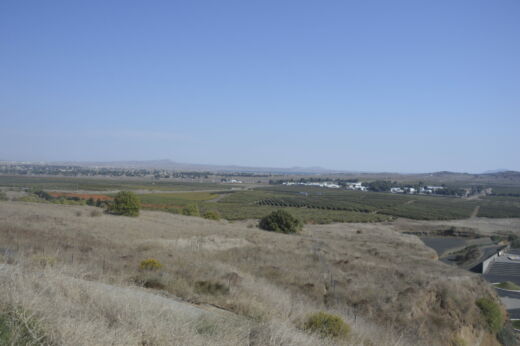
499, 170
504, 174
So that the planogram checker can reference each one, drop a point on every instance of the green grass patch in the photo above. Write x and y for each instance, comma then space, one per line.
326, 325
492, 314
508, 285
516, 324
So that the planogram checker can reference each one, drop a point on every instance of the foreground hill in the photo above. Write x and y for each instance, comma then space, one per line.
75, 275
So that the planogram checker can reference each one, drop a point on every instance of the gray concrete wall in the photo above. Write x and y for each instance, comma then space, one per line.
490, 260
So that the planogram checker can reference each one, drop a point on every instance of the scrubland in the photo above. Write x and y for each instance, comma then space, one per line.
72, 276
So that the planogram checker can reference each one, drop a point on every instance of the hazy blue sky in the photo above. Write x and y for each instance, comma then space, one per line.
357, 85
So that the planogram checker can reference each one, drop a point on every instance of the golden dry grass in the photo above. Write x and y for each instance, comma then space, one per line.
386, 285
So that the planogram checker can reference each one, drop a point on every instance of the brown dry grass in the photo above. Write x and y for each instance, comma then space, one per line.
386, 285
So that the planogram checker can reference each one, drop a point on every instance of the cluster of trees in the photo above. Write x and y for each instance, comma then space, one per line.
380, 186
451, 191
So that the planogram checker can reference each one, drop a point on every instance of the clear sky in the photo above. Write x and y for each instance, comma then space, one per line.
395, 85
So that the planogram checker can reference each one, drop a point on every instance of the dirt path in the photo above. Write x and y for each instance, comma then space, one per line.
482, 193
475, 212
216, 199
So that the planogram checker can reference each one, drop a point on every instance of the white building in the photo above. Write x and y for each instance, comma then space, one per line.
356, 186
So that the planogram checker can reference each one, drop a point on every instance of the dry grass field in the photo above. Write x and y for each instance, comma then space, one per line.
71, 276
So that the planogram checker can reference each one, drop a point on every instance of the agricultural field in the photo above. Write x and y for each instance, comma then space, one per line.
104, 184
311, 204
174, 200
312, 200
500, 206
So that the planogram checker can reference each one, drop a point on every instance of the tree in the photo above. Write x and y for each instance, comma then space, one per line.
212, 215
125, 203
191, 210
281, 221
380, 186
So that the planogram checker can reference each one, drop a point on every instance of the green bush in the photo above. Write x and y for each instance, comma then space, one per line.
3, 196
125, 203
327, 325
150, 264
492, 313
212, 215
191, 210
281, 221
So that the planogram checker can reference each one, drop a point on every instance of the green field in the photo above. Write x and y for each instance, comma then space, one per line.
174, 200
409, 206
312, 204
499, 207
96, 184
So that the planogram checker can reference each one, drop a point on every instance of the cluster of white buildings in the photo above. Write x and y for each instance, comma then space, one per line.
233, 181
319, 184
425, 190
356, 186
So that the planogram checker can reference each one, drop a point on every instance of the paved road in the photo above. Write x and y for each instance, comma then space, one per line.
514, 314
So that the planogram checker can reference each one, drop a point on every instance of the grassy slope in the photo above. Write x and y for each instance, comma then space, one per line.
384, 278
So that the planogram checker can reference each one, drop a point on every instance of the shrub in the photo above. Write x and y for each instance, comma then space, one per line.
20, 327
150, 264
154, 283
191, 210
496, 238
125, 203
95, 213
212, 215
281, 221
492, 313
327, 325
3, 196
44, 261
211, 287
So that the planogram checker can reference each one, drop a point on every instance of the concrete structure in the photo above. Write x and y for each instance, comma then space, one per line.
356, 186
